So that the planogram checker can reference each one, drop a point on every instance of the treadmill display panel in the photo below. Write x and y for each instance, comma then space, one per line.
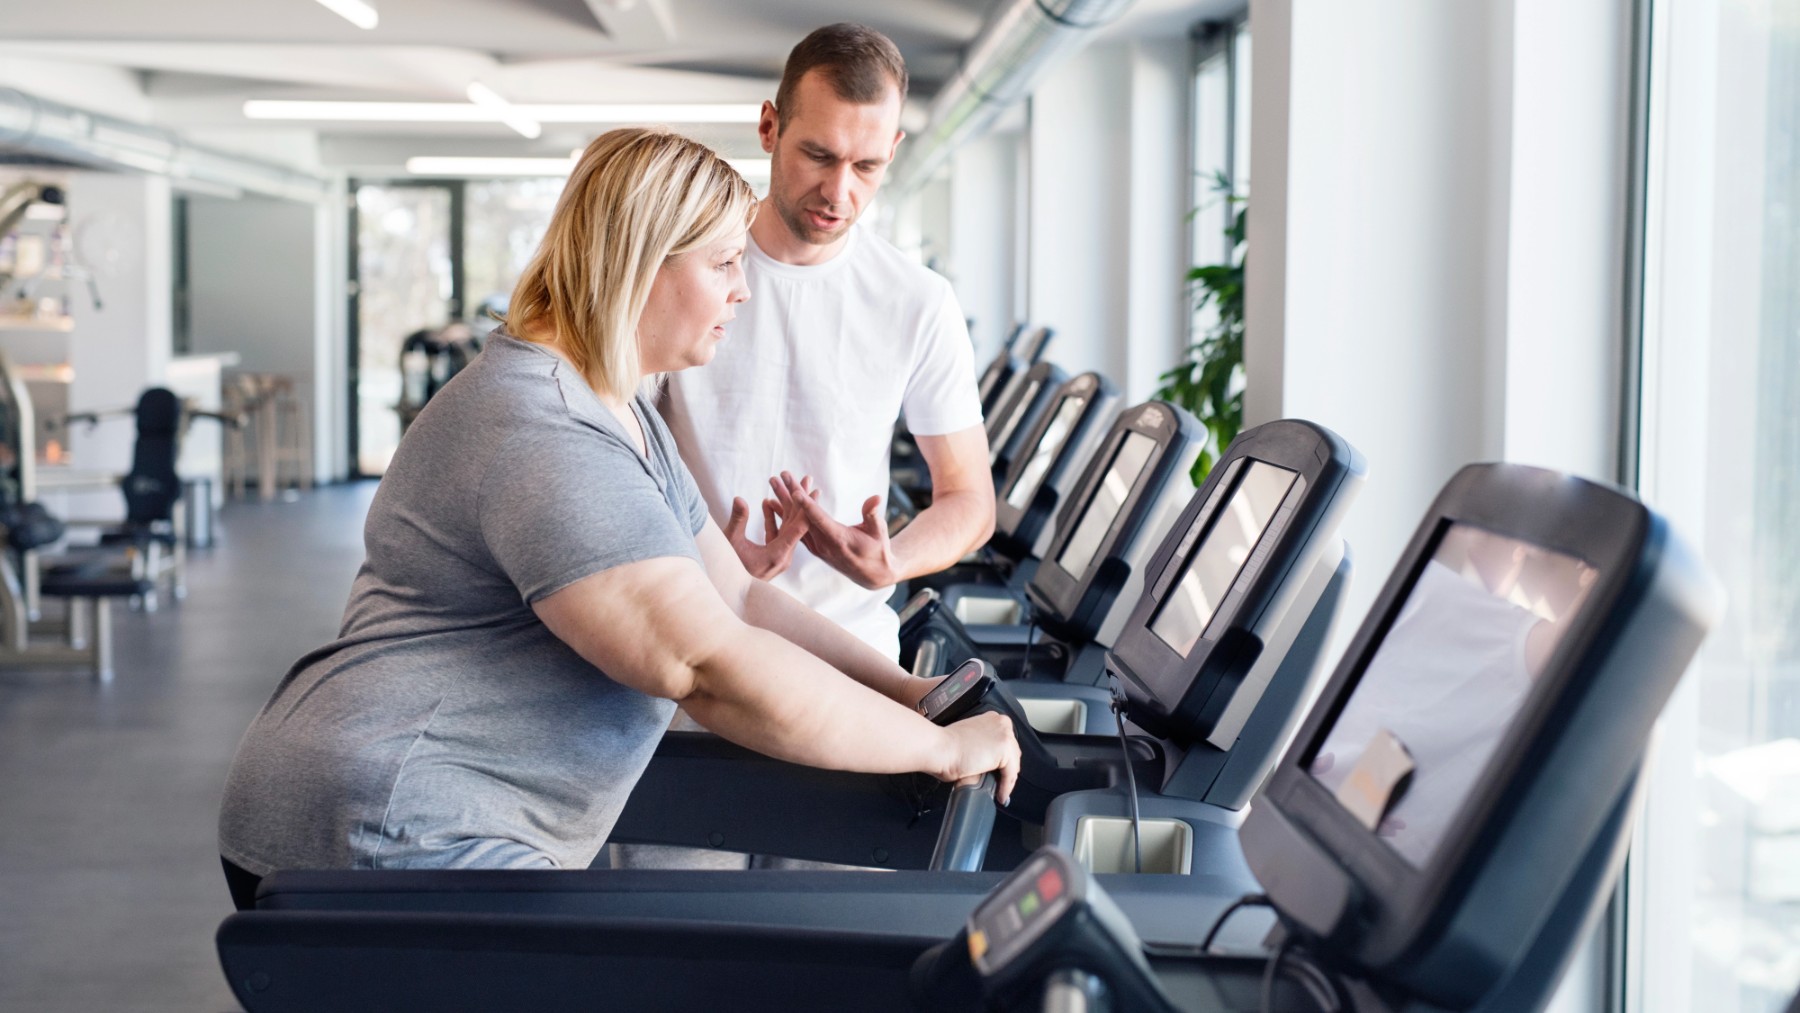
1214, 565
1026, 486
1020, 408
1451, 675
1121, 474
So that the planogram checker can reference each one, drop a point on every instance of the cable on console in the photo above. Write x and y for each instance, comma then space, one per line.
1248, 900
1137, 819
1321, 986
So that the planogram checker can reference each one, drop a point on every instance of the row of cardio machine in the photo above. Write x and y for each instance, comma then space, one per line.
1432, 827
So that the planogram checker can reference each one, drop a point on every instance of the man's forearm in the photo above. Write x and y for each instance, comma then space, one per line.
943, 533
773, 609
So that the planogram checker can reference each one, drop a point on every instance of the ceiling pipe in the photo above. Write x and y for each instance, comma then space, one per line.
1024, 41
38, 126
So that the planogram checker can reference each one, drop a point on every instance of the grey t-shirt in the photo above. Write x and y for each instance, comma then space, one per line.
446, 726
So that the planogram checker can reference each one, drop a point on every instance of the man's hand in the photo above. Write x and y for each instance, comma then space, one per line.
861, 552
783, 530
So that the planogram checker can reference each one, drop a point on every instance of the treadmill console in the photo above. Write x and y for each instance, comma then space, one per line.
1041, 467
1216, 583
958, 693
1105, 519
1050, 915
1480, 737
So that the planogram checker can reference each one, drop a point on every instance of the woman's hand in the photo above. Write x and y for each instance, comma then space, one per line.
982, 743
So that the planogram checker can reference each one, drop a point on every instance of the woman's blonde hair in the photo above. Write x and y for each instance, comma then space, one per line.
638, 196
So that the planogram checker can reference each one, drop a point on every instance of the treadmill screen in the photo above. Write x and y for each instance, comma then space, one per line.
1446, 683
1121, 474
1019, 409
1214, 565
1046, 450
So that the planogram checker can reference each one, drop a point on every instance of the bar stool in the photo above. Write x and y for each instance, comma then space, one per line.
275, 444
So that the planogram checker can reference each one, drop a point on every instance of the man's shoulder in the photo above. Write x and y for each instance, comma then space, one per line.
880, 257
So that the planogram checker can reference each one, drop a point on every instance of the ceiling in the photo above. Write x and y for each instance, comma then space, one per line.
195, 62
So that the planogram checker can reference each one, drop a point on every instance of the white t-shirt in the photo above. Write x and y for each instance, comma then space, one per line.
812, 374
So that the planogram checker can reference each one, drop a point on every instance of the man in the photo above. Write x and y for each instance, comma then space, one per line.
841, 335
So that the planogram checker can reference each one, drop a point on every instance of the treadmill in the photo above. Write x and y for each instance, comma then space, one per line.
1276, 539
1416, 873
1019, 413
1052, 453
1250, 580
1092, 574
1022, 350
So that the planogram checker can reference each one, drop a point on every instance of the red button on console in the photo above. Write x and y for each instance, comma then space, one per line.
1049, 885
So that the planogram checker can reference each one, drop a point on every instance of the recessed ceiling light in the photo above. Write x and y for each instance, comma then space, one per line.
360, 13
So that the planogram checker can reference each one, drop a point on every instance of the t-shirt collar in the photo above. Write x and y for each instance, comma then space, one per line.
804, 272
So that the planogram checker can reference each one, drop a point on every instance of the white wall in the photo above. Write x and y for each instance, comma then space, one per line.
1381, 270
1079, 141
1434, 255
1108, 205
256, 276
979, 257
1435, 249
121, 226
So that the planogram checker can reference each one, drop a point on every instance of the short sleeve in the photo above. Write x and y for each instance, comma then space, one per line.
684, 492
563, 500
941, 395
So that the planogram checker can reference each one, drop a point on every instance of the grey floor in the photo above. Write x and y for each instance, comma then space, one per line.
109, 875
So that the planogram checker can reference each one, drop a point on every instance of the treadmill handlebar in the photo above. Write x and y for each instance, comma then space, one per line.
968, 824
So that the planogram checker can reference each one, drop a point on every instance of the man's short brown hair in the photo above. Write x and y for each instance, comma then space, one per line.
858, 61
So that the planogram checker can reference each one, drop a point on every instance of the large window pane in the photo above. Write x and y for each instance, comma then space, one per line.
503, 222
405, 283
1718, 868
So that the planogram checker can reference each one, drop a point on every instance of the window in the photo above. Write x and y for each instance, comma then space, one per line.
504, 220
1715, 876
1221, 143
427, 254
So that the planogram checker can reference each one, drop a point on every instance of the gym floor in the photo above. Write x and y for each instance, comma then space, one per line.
110, 890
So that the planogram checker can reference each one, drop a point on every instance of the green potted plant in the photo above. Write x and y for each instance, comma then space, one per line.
1209, 379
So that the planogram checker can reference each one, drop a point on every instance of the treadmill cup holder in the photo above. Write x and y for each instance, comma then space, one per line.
1103, 845
988, 610
1055, 717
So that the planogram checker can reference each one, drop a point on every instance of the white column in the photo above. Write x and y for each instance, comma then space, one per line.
979, 253
1080, 210
1108, 207
1156, 296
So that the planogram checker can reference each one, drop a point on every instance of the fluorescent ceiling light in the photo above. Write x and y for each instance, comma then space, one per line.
462, 112
360, 13
460, 165
488, 98
750, 168
432, 165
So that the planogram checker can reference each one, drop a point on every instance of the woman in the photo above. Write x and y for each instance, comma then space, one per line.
544, 585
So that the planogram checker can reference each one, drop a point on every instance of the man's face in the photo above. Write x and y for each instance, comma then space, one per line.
828, 161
